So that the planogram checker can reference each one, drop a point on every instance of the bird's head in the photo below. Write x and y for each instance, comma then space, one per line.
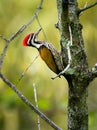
31, 40
28, 40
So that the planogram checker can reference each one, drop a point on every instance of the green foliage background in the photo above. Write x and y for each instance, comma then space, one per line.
52, 94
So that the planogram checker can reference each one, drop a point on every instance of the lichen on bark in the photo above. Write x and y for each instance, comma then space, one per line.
78, 70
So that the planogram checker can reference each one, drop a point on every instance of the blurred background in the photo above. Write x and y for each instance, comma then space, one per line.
52, 94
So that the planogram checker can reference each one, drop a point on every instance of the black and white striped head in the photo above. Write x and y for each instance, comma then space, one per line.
31, 40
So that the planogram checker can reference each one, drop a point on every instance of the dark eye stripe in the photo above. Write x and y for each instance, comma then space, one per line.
30, 39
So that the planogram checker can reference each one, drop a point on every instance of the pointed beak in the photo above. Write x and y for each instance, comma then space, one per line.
38, 31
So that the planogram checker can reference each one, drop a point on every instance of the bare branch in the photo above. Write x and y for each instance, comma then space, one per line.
24, 99
18, 32
40, 5
3, 54
87, 7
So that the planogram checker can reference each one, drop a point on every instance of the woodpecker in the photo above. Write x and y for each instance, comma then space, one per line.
46, 50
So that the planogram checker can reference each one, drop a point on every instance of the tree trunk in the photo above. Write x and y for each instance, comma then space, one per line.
78, 71
77, 108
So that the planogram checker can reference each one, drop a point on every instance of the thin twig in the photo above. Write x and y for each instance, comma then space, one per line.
4, 38
18, 32
36, 102
23, 73
3, 54
41, 27
26, 101
87, 7
40, 4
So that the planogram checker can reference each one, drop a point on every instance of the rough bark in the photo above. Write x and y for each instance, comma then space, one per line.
78, 72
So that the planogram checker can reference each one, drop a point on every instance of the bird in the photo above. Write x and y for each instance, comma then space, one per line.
49, 54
